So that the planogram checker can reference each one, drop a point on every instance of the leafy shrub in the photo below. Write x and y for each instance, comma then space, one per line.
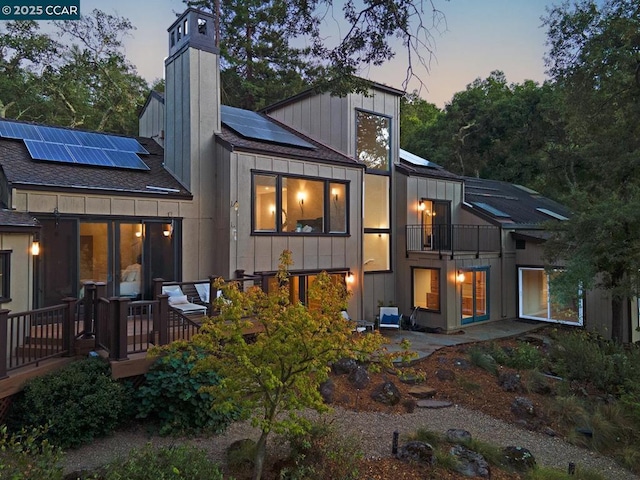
522, 357
149, 463
482, 359
525, 357
78, 403
323, 453
172, 395
27, 454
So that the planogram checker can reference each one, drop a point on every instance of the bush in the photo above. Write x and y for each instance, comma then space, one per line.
27, 454
149, 463
172, 395
78, 403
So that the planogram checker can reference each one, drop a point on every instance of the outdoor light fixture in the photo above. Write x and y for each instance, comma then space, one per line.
235, 206
35, 246
460, 277
421, 205
350, 278
168, 229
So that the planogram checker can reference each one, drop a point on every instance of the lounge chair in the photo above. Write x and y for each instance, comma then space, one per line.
358, 325
179, 301
389, 317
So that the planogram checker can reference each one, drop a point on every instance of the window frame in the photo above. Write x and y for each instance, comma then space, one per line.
486, 269
5, 268
378, 171
326, 228
413, 281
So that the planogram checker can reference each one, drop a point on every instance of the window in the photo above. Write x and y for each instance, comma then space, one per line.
475, 295
299, 286
5, 262
373, 140
283, 204
537, 300
436, 224
426, 288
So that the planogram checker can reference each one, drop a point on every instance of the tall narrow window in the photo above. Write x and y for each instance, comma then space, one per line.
373, 140
264, 206
5, 256
338, 207
475, 295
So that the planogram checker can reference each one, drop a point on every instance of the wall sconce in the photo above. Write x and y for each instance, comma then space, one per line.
460, 276
334, 194
272, 210
350, 278
138, 233
301, 202
35, 246
168, 230
235, 206
421, 206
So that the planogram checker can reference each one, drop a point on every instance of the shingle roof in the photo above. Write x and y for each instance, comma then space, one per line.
21, 170
411, 164
510, 204
10, 220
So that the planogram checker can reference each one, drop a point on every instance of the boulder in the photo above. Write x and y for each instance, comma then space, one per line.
359, 377
462, 363
327, 390
457, 435
519, 458
387, 394
445, 374
509, 381
344, 366
522, 407
470, 463
417, 452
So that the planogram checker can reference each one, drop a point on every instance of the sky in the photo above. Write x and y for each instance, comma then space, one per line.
480, 36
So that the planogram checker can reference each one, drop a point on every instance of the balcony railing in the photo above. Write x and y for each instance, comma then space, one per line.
451, 239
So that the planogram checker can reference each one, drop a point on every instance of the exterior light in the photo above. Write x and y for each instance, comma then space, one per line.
35, 247
168, 229
460, 277
350, 278
421, 205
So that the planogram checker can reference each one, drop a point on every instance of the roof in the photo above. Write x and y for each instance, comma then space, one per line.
413, 165
21, 171
11, 220
321, 153
511, 205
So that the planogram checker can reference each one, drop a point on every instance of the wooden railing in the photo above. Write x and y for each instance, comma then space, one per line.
451, 239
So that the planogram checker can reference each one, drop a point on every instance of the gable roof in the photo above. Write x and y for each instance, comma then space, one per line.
510, 205
21, 171
414, 165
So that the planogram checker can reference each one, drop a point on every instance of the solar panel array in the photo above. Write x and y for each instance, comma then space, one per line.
492, 210
71, 146
253, 125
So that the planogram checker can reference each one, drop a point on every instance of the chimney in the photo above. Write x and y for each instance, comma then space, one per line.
192, 96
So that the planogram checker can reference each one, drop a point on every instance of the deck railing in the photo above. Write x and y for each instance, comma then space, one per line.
451, 239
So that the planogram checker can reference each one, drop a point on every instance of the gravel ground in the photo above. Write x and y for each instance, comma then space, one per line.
375, 431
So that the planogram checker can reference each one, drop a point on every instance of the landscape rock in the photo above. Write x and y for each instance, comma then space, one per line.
344, 366
462, 363
457, 435
359, 377
522, 407
387, 394
433, 404
519, 458
422, 391
418, 452
444, 374
509, 381
327, 390
470, 463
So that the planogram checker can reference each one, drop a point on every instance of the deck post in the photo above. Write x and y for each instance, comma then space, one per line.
119, 307
161, 319
68, 324
4, 319
157, 287
90, 297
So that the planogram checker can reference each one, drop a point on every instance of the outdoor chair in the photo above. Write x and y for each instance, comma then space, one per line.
179, 301
359, 326
389, 317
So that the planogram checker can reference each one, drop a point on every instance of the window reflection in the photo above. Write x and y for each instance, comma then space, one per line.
373, 142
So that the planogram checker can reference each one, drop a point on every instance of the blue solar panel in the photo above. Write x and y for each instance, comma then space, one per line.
89, 156
58, 135
127, 144
48, 151
20, 131
96, 140
252, 125
126, 160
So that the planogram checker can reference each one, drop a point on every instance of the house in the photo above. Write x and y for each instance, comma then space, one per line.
209, 189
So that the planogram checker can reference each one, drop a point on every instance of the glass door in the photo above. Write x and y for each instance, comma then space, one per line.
474, 295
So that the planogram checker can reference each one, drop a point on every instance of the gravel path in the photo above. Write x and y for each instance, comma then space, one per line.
375, 431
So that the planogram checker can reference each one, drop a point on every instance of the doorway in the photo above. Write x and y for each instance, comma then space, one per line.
474, 294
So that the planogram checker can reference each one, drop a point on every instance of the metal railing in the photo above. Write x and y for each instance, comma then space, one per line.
453, 238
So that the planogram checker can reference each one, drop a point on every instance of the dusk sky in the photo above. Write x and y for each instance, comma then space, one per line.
480, 36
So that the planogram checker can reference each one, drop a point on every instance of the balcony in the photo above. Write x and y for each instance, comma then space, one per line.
452, 239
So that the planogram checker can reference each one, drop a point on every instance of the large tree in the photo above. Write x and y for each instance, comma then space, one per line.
594, 59
272, 49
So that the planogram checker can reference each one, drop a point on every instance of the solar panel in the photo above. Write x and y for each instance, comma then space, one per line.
58, 135
127, 144
19, 131
492, 210
552, 214
89, 156
126, 160
252, 125
95, 140
48, 151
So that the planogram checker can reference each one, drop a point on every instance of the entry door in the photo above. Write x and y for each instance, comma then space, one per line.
475, 295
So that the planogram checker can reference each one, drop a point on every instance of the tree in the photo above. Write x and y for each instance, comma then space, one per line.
273, 49
594, 61
416, 115
278, 373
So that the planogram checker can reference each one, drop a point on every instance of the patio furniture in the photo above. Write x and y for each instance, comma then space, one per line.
389, 317
179, 301
360, 326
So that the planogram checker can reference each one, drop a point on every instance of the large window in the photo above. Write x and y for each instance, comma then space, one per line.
426, 288
283, 204
538, 301
5, 262
373, 140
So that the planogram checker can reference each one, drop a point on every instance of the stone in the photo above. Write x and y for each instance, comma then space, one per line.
327, 391
519, 458
344, 366
433, 404
522, 407
457, 435
470, 463
417, 452
549, 431
462, 363
387, 394
444, 375
359, 377
422, 391
509, 381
